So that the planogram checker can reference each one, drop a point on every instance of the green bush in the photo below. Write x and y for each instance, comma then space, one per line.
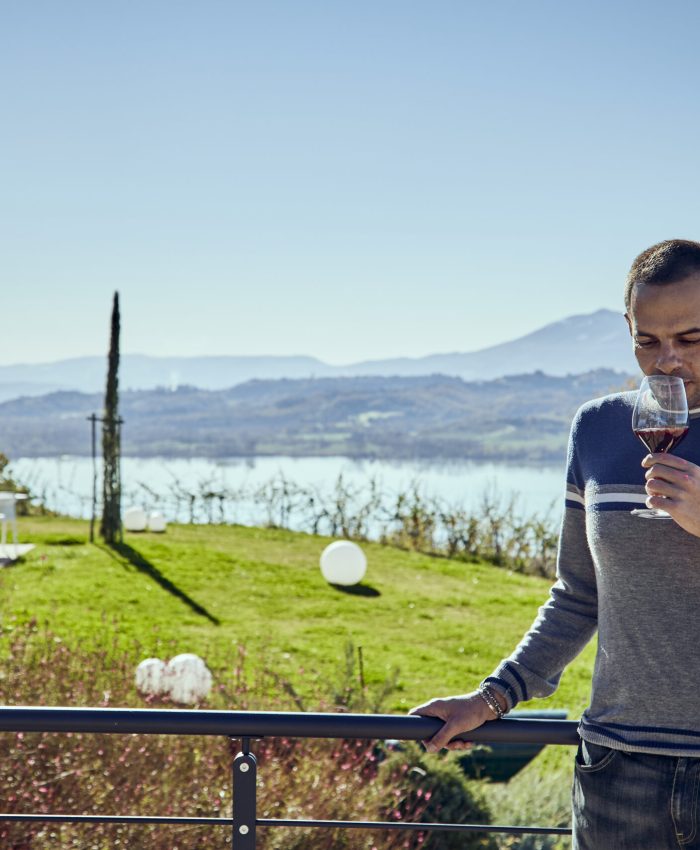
430, 789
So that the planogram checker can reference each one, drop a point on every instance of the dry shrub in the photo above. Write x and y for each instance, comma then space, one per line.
119, 774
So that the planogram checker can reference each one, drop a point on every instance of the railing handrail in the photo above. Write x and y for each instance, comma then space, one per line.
248, 725
264, 724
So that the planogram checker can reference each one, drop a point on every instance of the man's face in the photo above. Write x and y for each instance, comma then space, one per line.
664, 322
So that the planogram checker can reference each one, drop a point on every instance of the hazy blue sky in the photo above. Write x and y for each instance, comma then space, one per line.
346, 180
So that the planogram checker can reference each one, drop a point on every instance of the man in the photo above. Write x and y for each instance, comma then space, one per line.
635, 580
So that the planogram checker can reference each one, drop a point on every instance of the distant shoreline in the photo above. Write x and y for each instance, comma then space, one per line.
550, 458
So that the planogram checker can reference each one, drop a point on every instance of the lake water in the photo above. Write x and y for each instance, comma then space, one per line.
203, 489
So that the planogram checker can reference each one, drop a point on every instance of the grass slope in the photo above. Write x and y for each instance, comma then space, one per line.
208, 589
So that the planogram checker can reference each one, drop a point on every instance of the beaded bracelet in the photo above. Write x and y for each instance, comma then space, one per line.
488, 697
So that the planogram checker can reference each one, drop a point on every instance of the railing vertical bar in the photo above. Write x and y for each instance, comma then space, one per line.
244, 799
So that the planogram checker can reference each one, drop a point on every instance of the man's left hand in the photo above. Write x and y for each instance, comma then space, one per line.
673, 485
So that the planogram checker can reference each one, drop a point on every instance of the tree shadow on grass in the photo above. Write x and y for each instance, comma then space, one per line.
147, 568
357, 589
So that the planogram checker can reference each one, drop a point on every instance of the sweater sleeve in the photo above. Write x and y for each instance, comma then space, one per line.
568, 620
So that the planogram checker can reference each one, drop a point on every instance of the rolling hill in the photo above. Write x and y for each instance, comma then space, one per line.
523, 417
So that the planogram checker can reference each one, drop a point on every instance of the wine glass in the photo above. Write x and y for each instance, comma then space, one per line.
660, 420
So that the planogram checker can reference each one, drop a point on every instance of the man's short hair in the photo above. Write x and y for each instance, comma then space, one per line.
666, 262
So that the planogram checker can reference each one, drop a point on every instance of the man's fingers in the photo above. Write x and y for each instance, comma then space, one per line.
440, 739
667, 460
434, 708
460, 745
458, 713
659, 487
663, 503
666, 473
443, 740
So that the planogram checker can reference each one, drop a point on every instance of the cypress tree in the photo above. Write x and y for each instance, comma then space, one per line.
111, 525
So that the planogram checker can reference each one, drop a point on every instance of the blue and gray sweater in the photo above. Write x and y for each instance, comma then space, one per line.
637, 581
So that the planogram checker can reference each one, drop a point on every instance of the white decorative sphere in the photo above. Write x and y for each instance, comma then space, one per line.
156, 522
150, 677
188, 678
343, 563
134, 519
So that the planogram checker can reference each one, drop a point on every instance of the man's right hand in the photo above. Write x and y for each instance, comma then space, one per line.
460, 714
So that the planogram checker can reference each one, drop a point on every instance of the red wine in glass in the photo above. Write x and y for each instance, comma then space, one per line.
661, 439
660, 420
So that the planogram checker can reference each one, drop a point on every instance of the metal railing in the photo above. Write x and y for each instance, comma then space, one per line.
247, 726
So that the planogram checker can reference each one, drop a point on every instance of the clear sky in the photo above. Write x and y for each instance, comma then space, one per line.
348, 180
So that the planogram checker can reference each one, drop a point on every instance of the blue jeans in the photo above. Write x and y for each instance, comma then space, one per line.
634, 801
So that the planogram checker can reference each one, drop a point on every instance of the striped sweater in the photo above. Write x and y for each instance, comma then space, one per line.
636, 581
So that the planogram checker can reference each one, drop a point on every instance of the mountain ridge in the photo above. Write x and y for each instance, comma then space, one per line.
600, 341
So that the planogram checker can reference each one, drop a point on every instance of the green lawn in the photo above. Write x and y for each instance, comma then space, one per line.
208, 589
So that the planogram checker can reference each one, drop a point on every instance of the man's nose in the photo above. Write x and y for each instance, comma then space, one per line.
668, 360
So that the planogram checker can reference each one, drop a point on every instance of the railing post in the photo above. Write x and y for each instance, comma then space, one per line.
244, 805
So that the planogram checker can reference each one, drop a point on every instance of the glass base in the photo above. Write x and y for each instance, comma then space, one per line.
650, 513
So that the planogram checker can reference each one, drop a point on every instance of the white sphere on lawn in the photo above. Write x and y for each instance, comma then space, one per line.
343, 562
150, 677
156, 522
188, 678
134, 519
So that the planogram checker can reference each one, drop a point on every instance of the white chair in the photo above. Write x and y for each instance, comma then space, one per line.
134, 519
9, 515
156, 522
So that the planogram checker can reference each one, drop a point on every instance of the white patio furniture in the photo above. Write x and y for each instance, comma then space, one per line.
156, 522
8, 512
135, 519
